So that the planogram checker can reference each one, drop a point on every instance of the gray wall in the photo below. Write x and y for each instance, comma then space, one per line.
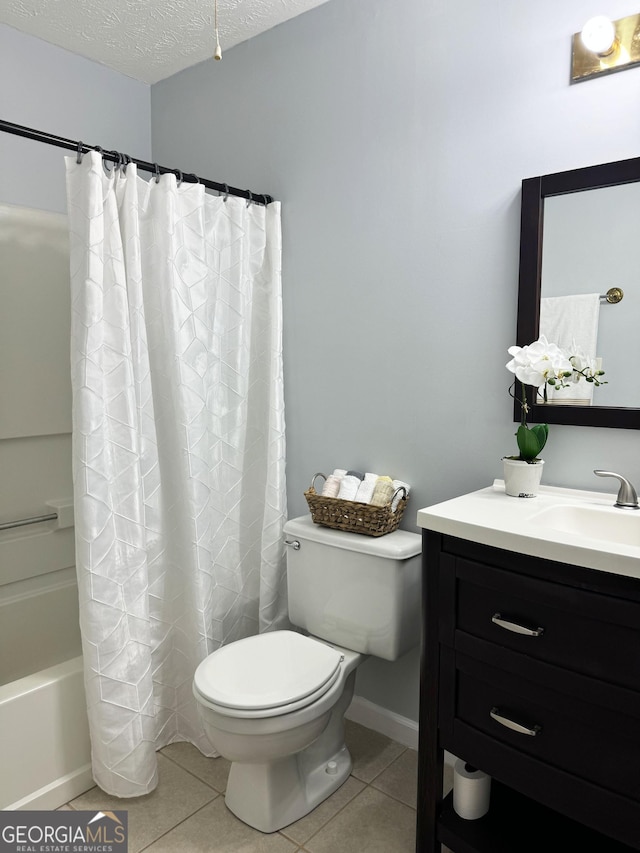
55, 91
396, 135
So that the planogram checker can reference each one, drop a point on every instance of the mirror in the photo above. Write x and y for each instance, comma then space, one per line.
577, 237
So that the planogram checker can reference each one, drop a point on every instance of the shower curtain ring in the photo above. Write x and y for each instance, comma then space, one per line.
250, 199
196, 179
179, 176
157, 173
226, 192
79, 155
125, 162
114, 156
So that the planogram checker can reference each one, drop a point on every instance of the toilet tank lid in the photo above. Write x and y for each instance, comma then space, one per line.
399, 545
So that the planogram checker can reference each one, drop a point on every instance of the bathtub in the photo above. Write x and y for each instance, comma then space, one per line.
45, 751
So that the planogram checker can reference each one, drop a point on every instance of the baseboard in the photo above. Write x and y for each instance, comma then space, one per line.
382, 720
386, 722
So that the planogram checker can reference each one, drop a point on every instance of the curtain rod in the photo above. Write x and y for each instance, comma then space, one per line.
116, 157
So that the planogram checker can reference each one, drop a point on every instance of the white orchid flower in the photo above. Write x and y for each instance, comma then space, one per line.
538, 363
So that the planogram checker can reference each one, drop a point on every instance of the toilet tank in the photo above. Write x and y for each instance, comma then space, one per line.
357, 591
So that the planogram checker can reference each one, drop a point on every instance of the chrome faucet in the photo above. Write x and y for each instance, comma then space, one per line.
627, 497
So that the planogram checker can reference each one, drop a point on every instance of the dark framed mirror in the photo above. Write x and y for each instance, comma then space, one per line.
579, 234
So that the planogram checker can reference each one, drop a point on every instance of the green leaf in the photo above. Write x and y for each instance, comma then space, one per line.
542, 434
531, 441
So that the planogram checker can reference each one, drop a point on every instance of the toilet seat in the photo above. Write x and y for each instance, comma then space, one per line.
267, 675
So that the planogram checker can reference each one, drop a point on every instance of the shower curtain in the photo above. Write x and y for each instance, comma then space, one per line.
178, 449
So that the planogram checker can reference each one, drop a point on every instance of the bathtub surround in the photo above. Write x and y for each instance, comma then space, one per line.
178, 449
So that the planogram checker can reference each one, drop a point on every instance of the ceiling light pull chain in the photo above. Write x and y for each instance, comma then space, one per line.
218, 53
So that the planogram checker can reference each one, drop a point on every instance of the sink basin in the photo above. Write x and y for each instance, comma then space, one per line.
570, 526
614, 525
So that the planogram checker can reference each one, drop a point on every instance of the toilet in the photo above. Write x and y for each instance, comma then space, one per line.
274, 704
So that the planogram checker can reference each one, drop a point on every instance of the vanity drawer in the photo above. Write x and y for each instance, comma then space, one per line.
583, 631
556, 717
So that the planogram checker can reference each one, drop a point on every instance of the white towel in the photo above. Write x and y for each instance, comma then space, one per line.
366, 487
349, 487
570, 321
398, 484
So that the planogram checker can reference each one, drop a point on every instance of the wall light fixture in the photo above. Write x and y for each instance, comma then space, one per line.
604, 46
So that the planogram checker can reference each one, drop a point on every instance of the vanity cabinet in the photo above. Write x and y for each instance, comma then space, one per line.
530, 671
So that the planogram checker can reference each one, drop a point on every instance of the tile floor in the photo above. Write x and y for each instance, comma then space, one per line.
374, 811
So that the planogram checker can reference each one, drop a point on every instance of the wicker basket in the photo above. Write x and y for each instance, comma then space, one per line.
354, 516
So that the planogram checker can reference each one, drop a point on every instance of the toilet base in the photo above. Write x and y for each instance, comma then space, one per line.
271, 795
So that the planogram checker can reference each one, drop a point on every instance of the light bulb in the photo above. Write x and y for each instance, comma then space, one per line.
599, 35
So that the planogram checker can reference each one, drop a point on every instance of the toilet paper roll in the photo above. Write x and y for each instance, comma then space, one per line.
471, 791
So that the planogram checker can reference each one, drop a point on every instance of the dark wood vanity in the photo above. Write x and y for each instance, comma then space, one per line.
530, 671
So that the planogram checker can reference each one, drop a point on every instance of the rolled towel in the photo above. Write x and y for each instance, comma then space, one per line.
331, 486
332, 483
397, 484
349, 485
365, 490
382, 491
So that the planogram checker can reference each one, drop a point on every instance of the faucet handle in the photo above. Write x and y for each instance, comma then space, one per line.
627, 497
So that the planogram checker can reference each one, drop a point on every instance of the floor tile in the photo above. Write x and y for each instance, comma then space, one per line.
303, 829
371, 822
214, 829
177, 796
371, 752
400, 779
213, 771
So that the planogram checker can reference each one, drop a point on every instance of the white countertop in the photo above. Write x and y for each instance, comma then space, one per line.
491, 517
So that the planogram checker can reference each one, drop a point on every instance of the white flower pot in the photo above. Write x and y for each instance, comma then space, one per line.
522, 479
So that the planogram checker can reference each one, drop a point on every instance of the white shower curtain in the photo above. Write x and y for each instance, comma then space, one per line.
178, 449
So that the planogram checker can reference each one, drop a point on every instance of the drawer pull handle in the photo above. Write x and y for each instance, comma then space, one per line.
515, 627
532, 731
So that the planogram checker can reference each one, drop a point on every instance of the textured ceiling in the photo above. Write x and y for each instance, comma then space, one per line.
147, 39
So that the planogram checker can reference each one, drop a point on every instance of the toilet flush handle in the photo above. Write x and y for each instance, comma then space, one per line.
294, 544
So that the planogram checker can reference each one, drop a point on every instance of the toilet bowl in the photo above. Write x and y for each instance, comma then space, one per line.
274, 704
